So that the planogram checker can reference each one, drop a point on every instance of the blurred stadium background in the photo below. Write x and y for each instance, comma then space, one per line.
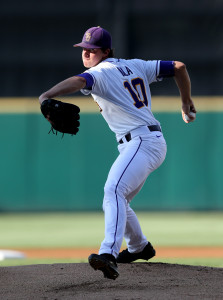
43, 173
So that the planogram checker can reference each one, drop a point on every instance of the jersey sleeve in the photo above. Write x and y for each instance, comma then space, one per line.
89, 83
96, 82
156, 70
152, 69
89, 80
166, 69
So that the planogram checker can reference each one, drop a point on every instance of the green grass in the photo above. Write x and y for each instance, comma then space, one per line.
65, 230
87, 229
51, 230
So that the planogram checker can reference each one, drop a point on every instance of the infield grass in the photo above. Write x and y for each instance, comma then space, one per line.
73, 230
87, 229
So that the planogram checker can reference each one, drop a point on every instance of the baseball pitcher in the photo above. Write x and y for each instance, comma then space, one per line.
121, 88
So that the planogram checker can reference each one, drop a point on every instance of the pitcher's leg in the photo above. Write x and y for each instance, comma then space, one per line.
126, 174
114, 206
135, 239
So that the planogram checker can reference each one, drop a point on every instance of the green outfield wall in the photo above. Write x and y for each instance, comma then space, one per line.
44, 172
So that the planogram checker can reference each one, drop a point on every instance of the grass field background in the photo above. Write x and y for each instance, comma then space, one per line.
86, 230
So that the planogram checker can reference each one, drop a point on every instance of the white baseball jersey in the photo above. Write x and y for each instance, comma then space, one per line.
121, 89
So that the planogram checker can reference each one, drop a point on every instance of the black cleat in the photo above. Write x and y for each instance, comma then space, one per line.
125, 256
105, 263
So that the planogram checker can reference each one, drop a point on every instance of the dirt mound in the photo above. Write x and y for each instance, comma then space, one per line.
136, 281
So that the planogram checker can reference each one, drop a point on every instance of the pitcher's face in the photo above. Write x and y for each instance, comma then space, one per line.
92, 57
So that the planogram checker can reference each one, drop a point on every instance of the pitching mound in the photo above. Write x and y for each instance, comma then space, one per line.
136, 281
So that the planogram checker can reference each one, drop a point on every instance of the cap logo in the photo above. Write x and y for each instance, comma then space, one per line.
88, 36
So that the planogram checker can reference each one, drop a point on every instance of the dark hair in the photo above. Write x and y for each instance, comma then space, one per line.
111, 53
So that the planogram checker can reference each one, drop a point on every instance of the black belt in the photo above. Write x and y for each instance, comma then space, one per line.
151, 128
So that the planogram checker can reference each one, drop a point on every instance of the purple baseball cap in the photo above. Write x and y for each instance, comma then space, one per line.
96, 37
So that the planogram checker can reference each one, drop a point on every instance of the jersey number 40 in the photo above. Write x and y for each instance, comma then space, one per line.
135, 93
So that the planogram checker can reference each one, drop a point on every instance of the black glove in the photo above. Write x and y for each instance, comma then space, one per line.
62, 116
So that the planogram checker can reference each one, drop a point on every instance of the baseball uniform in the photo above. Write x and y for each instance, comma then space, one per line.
121, 89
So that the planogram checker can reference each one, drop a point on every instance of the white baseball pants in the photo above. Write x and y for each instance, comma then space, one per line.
144, 153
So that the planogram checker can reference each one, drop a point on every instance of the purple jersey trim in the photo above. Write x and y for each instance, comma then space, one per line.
166, 69
89, 80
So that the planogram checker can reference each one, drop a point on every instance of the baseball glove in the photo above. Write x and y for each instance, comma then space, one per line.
62, 116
